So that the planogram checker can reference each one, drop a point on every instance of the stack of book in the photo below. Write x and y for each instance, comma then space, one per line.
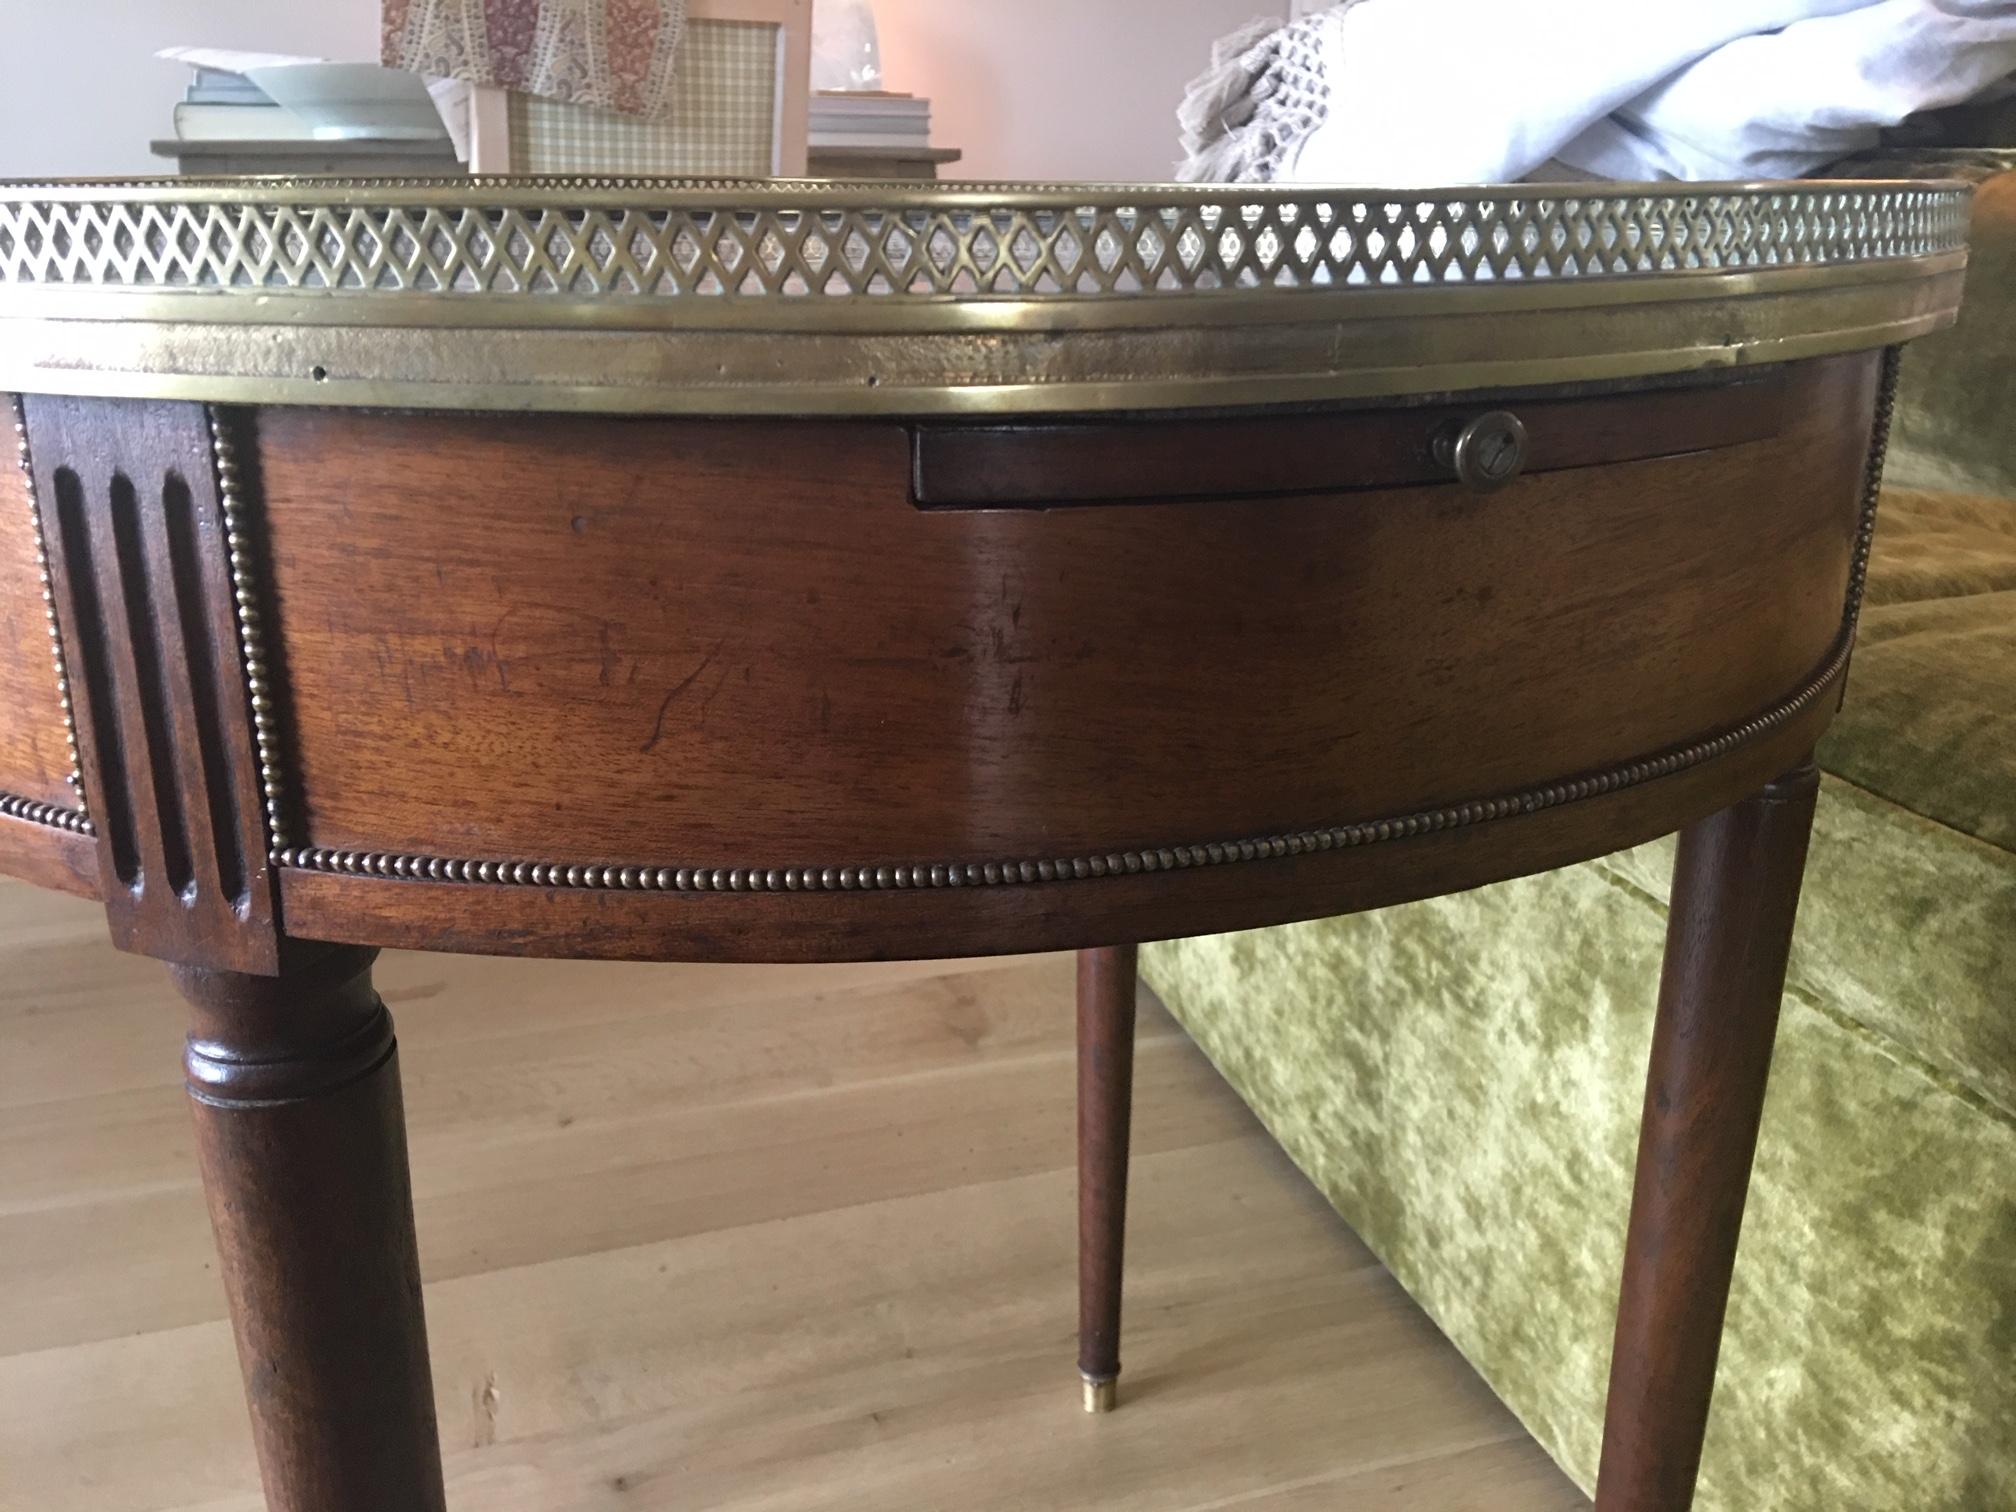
226, 123
891, 122
222, 86
221, 106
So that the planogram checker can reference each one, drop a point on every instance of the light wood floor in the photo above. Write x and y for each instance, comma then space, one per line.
741, 1238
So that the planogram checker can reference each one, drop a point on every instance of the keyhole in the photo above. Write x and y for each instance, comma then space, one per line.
1491, 450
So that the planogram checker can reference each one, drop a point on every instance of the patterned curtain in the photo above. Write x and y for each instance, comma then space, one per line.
615, 54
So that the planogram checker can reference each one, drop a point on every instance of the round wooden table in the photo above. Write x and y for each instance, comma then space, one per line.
745, 572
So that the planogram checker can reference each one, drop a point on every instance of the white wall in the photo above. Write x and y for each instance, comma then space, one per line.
1028, 88
82, 93
1056, 89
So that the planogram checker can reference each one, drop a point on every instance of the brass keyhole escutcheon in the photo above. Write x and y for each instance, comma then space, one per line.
1487, 453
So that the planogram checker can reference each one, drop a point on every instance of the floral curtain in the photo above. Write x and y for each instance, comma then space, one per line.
615, 54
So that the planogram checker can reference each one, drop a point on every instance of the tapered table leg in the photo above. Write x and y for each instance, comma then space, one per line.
299, 1128
1735, 892
1105, 1109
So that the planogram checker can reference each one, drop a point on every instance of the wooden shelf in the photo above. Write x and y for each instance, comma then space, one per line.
306, 155
880, 162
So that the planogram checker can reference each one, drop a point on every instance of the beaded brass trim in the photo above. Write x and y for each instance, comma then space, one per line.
51, 815
76, 774
871, 877
1872, 483
251, 628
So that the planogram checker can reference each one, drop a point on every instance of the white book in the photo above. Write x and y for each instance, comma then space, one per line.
870, 104
220, 86
239, 123
877, 128
868, 139
822, 111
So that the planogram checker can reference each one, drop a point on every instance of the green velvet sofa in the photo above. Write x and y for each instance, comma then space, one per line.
1462, 1078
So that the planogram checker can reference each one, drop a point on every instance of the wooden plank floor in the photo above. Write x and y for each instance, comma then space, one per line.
770, 1238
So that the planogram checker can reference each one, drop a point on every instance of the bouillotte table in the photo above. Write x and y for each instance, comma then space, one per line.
768, 572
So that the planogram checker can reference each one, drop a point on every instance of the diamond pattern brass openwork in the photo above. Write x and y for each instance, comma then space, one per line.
670, 239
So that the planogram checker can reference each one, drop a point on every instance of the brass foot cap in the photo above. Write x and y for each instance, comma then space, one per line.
1101, 1396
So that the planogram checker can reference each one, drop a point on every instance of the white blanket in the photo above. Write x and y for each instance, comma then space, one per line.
1444, 92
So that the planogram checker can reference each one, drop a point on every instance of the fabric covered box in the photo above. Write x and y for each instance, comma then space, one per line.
723, 121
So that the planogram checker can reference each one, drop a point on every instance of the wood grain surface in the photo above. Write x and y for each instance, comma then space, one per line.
135, 533
847, 926
1736, 880
722, 644
1041, 465
301, 1135
1108, 985
749, 648
34, 754
47, 857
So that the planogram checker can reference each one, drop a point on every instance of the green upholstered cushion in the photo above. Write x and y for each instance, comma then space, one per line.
1952, 429
1931, 715
1907, 930
1462, 1078
1934, 545
1930, 721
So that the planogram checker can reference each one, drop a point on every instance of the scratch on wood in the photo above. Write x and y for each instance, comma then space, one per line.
658, 725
